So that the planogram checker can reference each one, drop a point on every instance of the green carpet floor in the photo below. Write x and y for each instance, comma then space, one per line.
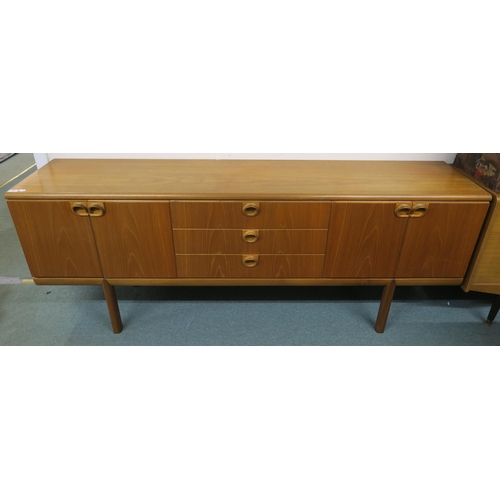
322, 316
12, 166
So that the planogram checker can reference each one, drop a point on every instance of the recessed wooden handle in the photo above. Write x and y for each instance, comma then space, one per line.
251, 236
251, 209
419, 210
80, 209
403, 211
250, 260
97, 210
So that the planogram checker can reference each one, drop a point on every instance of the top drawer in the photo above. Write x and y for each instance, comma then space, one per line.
250, 215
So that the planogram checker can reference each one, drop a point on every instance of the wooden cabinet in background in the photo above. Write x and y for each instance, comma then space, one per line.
237, 223
484, 272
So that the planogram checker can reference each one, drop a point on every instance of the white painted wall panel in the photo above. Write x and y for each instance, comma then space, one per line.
41, 159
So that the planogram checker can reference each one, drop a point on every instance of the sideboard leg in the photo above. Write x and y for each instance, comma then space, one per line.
494, 311
385, 306
114, 311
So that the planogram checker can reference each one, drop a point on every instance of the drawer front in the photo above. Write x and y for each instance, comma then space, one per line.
265, 266
250, 215
247, 241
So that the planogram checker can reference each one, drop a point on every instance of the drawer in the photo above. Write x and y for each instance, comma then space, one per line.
244, 241
266, 266
250, 215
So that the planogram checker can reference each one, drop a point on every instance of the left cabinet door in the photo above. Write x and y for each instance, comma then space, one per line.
56, 241
134, 238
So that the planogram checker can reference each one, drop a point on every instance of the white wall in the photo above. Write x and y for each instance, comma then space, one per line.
447, 157
41, 159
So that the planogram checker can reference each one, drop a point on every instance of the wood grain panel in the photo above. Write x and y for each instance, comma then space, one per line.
56, 242
365, 240
229, 215
486, 267
230, 266
248, 179
217, 241
440, 245
134, 240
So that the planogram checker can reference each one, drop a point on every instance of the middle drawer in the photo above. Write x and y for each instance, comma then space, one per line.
261, 241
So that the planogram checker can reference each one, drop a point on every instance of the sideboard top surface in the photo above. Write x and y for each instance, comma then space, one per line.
247, 179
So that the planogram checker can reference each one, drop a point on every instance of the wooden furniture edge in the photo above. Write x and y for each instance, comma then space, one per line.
44, 187
468, 284
484, 288
245, 282
68, 281
246, 196
252, 282
282, 282
429, 282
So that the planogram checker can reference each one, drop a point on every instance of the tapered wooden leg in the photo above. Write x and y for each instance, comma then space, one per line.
385, 307
114, 311
494, 311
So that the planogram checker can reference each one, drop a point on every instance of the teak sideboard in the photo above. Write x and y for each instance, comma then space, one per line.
209, 222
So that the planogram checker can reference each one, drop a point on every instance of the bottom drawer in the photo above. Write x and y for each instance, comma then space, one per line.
261, 266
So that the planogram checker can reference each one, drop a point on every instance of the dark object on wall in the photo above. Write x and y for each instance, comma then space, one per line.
485, 167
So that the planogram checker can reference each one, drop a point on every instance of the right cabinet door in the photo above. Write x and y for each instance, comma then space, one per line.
365, 239
134, 238
440, 239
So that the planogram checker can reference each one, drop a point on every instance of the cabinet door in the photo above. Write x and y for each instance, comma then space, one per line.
134, 239
364, 240
56, 241
440, 243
